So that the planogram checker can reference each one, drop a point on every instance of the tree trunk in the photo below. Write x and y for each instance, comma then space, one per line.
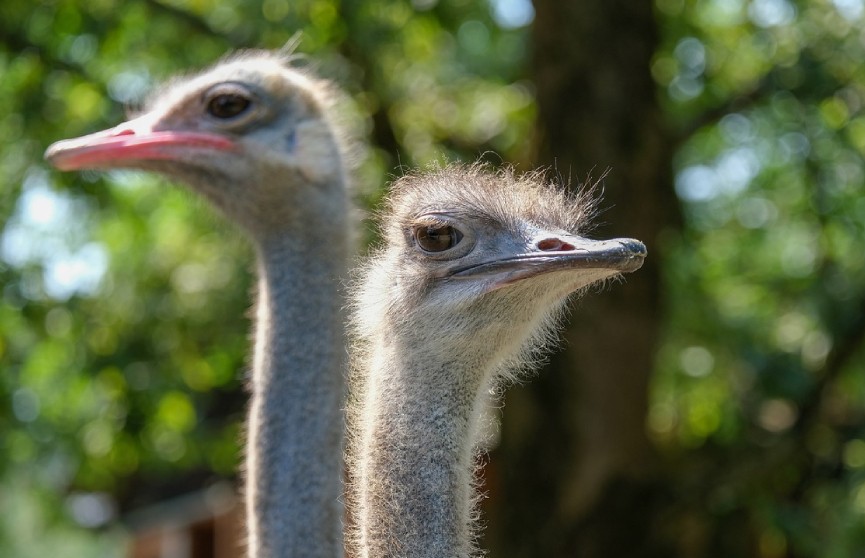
574, 473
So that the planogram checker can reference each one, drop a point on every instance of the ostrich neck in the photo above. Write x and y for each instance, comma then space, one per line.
415, 459
294, 470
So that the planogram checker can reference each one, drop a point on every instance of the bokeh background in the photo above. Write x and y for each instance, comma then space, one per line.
710, 406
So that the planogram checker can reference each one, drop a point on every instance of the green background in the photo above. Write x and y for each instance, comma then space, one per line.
123, 327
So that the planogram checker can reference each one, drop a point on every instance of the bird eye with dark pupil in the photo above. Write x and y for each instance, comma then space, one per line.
437, 238
227, 105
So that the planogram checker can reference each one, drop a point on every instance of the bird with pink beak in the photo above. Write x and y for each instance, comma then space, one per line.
258, 139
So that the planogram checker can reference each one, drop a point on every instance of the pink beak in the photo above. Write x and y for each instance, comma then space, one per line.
129, 142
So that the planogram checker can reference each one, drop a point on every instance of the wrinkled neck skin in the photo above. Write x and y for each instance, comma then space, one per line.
414, 442
295, 429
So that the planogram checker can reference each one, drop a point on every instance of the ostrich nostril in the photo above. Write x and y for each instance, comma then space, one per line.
554, 245
123, 131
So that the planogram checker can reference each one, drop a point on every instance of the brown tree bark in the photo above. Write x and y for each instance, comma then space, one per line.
574, 474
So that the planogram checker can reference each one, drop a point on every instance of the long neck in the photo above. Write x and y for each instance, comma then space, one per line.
414, 454
294, 465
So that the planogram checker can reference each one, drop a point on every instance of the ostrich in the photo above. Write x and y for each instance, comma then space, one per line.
474, 271
258, 140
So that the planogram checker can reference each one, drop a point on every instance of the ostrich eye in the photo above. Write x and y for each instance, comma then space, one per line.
227, 105
437, 238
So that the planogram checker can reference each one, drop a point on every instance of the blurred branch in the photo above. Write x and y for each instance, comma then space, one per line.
195, 22
736, 104
810, 467
846, 348
383, 134
842, 351
849, 341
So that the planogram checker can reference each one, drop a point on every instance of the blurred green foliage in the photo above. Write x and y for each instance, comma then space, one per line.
763, 367
122, 314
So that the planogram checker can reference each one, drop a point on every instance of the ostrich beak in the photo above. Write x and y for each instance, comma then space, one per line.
588, 261
130, 142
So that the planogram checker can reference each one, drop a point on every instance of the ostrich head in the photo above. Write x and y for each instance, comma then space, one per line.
251, 134
477, 264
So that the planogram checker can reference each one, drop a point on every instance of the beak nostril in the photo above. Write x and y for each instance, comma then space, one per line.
554, 245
